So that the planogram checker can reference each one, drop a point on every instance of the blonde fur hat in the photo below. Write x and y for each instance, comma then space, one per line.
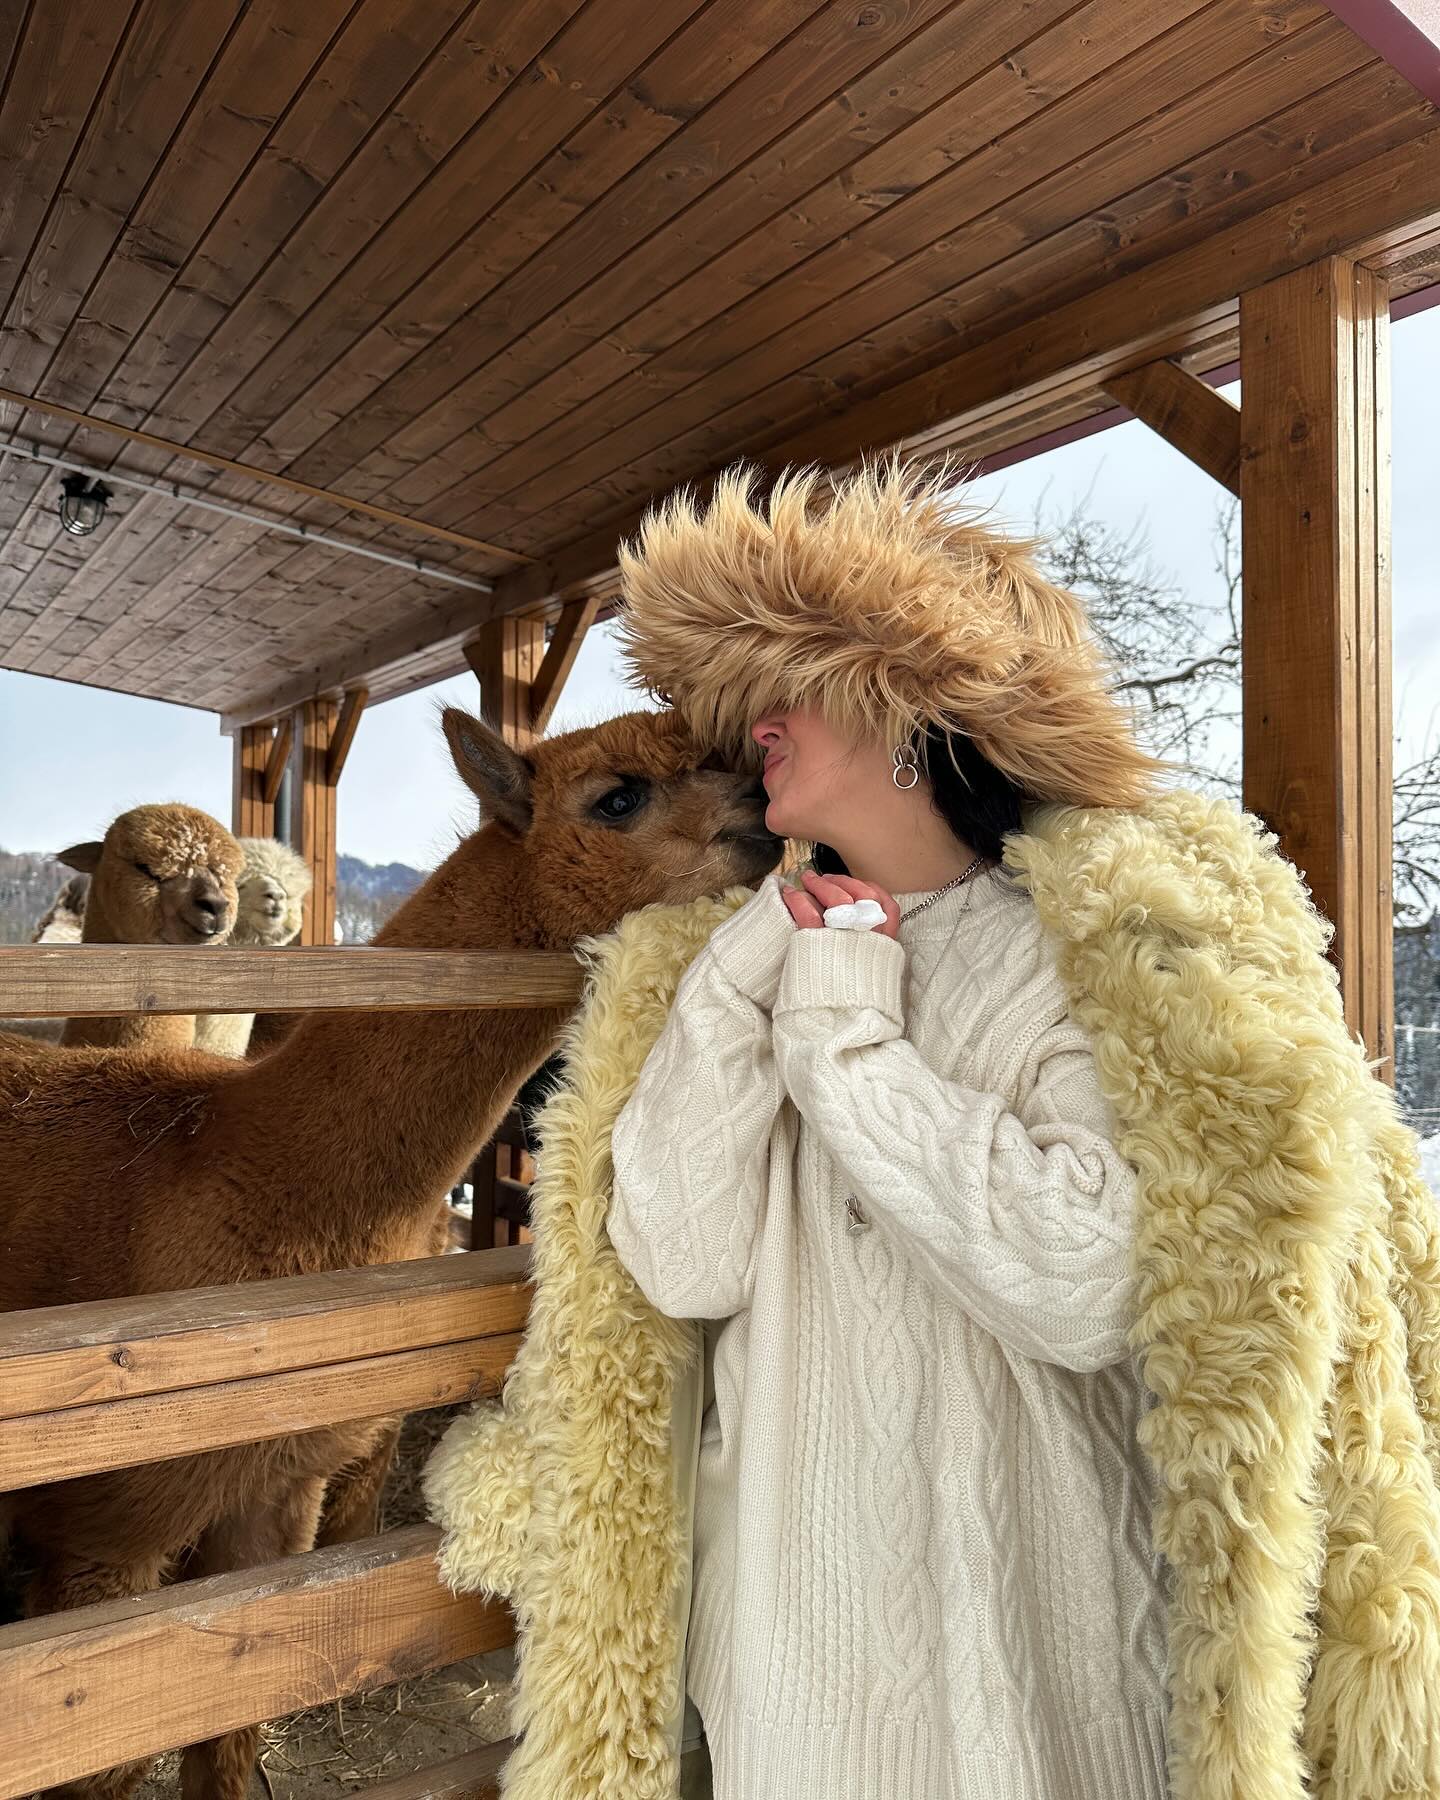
887, 608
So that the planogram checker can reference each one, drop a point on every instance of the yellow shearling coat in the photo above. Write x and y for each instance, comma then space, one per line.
1288, 1327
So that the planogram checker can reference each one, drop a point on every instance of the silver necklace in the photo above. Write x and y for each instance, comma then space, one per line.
940, 893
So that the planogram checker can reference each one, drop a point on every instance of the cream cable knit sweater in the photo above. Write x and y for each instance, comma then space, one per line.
922, 1549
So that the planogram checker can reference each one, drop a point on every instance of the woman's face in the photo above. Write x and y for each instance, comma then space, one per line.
815, 778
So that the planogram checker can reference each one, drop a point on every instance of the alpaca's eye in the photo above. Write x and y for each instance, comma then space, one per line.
149, 874
618, 802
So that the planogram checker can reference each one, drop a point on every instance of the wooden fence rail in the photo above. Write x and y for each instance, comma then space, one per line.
83, 1690
116, 1383
57, 981
123, 1382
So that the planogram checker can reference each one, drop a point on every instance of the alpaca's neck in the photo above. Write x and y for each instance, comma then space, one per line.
97, 926
128, 1031
372, 1117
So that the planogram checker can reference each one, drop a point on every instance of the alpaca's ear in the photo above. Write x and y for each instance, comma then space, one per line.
84, 857
500, 778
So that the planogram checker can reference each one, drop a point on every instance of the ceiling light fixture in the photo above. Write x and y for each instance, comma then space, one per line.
82, 504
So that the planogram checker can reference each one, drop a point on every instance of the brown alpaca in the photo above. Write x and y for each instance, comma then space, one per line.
161, 875
335, 1151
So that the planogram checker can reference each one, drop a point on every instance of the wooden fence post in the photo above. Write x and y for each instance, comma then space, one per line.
1316, 648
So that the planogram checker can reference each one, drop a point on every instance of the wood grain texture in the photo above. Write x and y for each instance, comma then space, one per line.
264, 478
120, 1434
1316, 646
252, 800
1191, 417
576, 618
83, 1690
474, 1776
56, 1357
506, 656
545, 262
55, 981
312, 818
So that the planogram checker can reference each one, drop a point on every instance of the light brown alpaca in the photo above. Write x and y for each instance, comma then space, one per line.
161, 875
335, 1151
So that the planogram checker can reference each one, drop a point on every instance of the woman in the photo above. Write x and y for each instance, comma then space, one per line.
882, 1159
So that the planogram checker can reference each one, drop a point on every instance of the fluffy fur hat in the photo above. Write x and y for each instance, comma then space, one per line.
884, 605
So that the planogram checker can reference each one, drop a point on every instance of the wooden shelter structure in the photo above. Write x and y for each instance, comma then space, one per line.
383, 321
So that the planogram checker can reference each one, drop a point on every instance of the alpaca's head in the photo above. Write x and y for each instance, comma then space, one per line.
272, 889
161, 875
595, 823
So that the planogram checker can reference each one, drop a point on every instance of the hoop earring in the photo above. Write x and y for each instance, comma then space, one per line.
903, 758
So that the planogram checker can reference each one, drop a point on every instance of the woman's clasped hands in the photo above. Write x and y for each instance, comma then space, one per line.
807, 906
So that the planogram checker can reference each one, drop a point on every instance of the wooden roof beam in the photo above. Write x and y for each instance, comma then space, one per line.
1379, 209
1187, 412
1001, 390
1405, 32
263, 477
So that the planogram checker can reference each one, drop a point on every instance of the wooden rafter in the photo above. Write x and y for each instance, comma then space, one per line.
997, 392
1157, 312
1188, 413
265, 477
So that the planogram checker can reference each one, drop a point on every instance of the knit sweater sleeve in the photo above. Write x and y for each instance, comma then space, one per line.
1023, 1219
691, 1146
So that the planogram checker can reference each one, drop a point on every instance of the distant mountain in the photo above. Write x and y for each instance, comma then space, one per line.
367, 893
29, 881
376, 879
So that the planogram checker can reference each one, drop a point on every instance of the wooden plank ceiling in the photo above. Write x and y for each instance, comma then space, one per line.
511, 267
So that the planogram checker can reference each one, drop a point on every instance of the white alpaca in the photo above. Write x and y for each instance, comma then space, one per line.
272, 889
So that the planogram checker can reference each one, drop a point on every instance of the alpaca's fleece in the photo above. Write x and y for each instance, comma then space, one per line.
885, 607
64, 923
563, 1498
271, 889
274, 876
1288, 1327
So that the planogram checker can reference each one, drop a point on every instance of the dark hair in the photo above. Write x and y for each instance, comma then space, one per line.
979, 802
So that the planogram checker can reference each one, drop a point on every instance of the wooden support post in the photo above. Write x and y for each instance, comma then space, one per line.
1187, 412
252, 803
506, 657
313, 820
1315, 479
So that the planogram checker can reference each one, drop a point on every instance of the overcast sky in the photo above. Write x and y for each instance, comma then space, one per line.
74, 757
